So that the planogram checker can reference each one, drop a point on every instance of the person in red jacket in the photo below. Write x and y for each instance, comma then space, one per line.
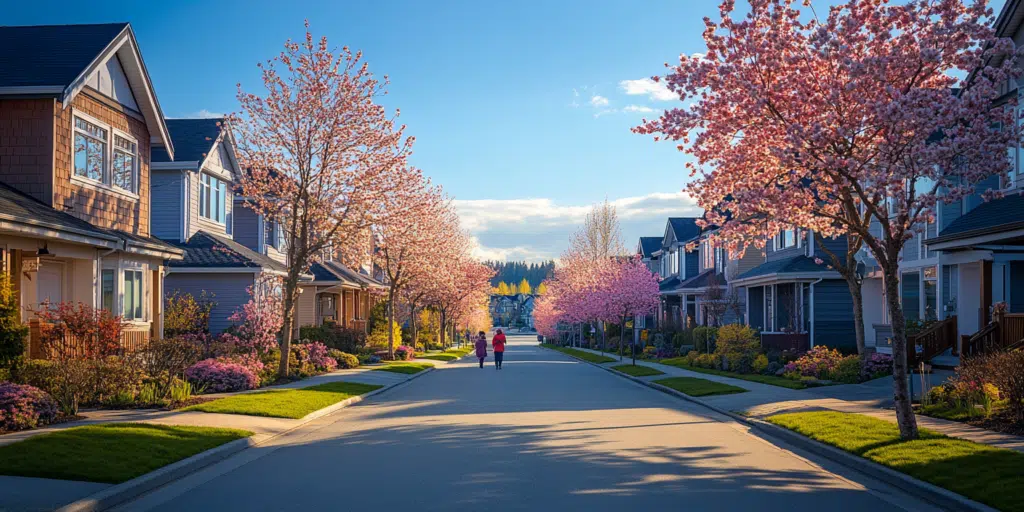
499, 348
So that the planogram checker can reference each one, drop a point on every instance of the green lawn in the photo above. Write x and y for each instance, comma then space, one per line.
443, 356
111, 453
699, 387
638, 370
404, 367
980, 472
286, 403
774, 380
582, 354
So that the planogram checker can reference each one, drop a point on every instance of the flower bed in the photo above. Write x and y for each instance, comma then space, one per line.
221, 376
24, 407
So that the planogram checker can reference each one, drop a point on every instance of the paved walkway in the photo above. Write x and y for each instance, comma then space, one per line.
24, 494
544, 433
872, 398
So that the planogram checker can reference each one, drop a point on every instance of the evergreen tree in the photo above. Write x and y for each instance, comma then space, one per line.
12, 331
524, 287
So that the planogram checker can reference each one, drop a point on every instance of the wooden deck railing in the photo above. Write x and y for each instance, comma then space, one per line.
1006, 331
933, 341
132, 339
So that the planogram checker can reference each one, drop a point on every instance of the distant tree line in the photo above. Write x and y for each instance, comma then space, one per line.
516, 271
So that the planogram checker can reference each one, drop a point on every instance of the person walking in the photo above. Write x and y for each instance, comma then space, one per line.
499, 348
481, 347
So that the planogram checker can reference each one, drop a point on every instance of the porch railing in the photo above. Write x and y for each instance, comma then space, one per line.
1005, 331
132, 340
934, 340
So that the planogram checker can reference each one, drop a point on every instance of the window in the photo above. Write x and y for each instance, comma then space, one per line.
104, 156
785, 239
107, 289
90, 150
910, 295
133, 295
212, 199
931, 304
125, 152
719, 260
275, 235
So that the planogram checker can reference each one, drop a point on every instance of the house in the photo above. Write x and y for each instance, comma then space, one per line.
648, 249
337, 295
794, 298
678, 264
227, 245
79, 119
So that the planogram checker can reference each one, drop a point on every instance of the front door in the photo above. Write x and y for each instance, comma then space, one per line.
51, 282
968, 298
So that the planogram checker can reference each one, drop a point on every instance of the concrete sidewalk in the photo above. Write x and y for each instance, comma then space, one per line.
873, 398
29, 494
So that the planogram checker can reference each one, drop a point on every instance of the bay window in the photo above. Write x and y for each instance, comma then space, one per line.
104, 156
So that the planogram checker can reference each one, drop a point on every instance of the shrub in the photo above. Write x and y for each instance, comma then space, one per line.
760, 364
115, 377
340, 338
404, 353
650, 352
185, 314
739, 346
877, 365
217, 376
773, 368
23, 407
12, 331
704, 338
848, 370
318, 357
368, 359
819, 362
1005, 371
181, 391
74, 330
344, 359
684, 337
167, 359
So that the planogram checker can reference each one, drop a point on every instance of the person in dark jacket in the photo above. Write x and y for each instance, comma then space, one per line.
499, 348
481, 347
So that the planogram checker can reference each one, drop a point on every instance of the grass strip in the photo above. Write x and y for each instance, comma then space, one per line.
980, 472
773, 380
439, 357
110, 453
699, 387
637, 370
405, 367
286, 403
582, 354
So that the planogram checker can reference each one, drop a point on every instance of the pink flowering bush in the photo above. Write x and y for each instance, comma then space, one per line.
877, 365
819, 363
404, 353
221, 375
319, 357
23, 407
259, 321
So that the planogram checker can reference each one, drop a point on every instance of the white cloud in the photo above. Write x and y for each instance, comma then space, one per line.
539, 228
205, 114
637, 108
646, 86
598, 101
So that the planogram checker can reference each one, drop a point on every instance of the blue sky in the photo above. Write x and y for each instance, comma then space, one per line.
519, 108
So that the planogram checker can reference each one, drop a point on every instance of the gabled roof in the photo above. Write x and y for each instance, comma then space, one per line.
796, 265
57, 60
193, 139
333, 271
1004, 214
648, 245
668, 285
206, 250
702, 280
684, 228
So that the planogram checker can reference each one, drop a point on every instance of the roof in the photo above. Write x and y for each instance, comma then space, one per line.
669, 284
51, 55
1002, 214
685, 228
649, 245
207, 250
335, 271
192, 138
796, 265
702, 280
147, 242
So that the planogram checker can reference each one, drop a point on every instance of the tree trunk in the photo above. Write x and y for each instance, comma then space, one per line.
901, 392
604, 337
857, 294
391, 322
412, 325
622, 340
291, 289
442, 328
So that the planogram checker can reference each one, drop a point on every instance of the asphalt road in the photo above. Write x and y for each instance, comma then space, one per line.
544, 433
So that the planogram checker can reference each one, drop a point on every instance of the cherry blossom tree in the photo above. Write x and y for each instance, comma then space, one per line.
318, 152
853, 123
634, 292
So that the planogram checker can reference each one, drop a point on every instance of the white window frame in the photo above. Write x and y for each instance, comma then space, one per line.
106, 181
214, 190
140, 292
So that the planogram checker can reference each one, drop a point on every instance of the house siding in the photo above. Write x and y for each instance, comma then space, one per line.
910, 249
26, 146
975, 199
833, 317
951, 212
1017, 287
305, 313
692, 263
836, 245
247, 226
167, 205
751, 258
789, 252
229, 292
755, 298
99, 207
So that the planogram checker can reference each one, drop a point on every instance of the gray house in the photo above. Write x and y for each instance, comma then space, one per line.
227, 245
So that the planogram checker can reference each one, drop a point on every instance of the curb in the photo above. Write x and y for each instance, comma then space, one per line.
933, 494
127, 491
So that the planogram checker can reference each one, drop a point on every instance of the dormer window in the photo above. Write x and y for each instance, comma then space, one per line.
103, 156
213, 199
785, 239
